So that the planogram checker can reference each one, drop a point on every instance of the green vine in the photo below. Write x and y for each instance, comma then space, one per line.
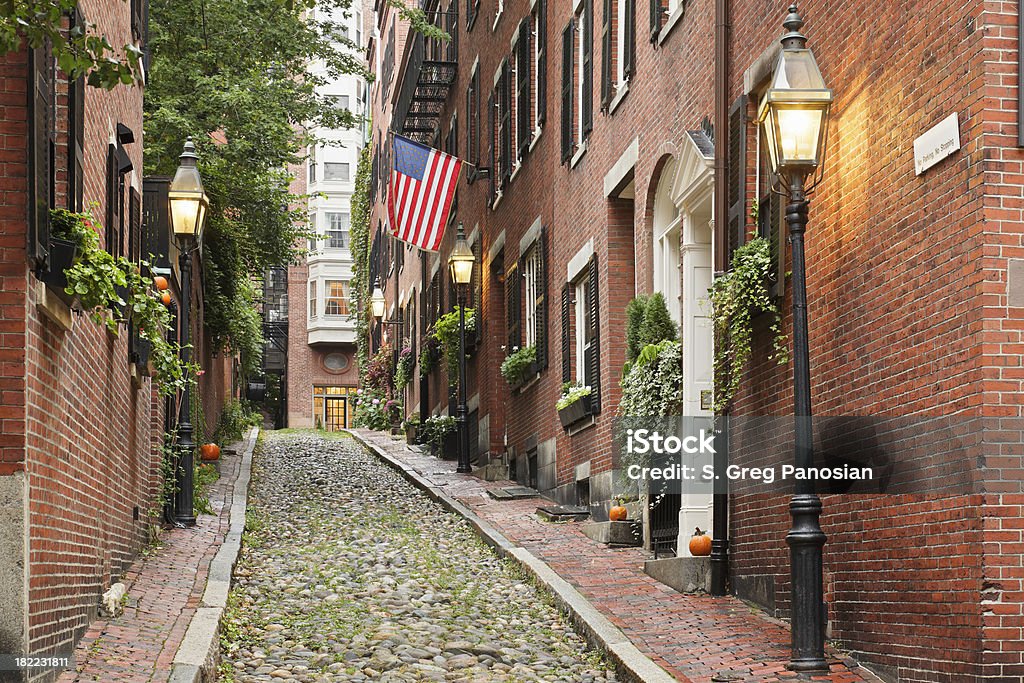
359, 235
105, 286
446, 333
517, 364
737, 297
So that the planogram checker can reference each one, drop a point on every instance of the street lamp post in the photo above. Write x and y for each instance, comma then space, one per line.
460, 265
188, 213
794, 114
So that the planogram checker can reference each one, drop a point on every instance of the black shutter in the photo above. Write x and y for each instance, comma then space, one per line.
567, 332
594, 355
506, 123
541, 302
606, 56
512, 306
769, 214
41, 155
629, 53
477, 289
156, 227
523, 85
134, 225
588, 66
470, 13
655, 19
76, 132
567, 68
542, 62
737, 174
113, 210
492, 134
472, 121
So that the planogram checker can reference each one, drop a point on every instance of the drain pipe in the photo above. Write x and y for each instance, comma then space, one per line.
720, 499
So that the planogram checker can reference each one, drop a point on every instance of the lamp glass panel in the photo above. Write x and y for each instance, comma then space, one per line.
462, 271
798, 70
184, 214
768, 125
799, 131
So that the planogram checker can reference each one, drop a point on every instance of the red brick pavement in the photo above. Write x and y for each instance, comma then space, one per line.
693, 637
164, 590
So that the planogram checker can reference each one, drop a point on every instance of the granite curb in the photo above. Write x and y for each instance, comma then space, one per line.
199, 653
599, 632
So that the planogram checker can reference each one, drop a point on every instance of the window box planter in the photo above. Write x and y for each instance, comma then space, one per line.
575, 412
62, 257
450, 446
529, 373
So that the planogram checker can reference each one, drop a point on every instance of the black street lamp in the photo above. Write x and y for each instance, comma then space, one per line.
188, 213
794, 113
460, 265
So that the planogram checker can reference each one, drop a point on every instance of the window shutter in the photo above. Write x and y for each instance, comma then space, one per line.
134, 226
542, 61
156, 226
506, 123
606, 56
490, 150
523, 82
594, 360
567, 68
541, 303
113, 210
512, 305
629, 33
737, 174
41, 156
655, 20
567, 332
588, 66
477, 289
470, 150
470, 13
76, 132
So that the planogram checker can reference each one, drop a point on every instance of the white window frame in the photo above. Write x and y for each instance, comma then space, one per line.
514, 104
348, 172
535, 75
343, 298
314, 302
580, 21
580, 294
329, 228
531, 273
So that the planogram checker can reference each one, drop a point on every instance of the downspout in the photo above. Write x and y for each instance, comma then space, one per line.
720, 499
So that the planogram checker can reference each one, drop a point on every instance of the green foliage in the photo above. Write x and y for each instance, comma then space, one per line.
105, 286
653, 386
72, 227
374, 410
737, 297
404, 370
436, 427
378, 377
198, 417
570, 394
235, 419
658, 325
203, 479
517, 364
78, 52
634, 320
446, 333
359, 245
429, 353
168, 482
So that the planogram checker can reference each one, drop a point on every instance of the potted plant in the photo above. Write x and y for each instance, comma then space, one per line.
574, 404
68, 235
520, 365
411, 426
440, 430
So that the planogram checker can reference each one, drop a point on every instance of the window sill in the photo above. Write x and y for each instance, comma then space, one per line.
528, 383
536, 136
52, 307
515, 171
670, 24
621, 90
581, 426
497, 17
497, 200
579, 154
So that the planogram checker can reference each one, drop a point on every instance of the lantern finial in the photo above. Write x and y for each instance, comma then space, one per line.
793, 23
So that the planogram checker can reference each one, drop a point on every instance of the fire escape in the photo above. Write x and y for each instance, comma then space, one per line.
429, 74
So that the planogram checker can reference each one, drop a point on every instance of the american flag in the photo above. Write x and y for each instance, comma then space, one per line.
420, 192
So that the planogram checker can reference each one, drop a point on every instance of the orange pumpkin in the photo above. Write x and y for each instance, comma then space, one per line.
700, 544
160, 282
166, 298
618, 513
209, 452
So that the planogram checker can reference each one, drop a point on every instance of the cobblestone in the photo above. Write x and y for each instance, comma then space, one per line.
349, 573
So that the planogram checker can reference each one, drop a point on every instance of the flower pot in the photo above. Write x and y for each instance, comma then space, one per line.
410, 435
450, 446
62, 257
575, 412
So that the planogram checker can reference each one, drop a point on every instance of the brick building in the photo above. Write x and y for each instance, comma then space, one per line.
80, 420
607, 163
321, 370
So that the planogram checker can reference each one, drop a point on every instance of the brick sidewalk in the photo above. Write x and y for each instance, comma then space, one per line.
693, 637
164, 590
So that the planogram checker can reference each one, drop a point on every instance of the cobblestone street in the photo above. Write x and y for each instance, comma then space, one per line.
348, 573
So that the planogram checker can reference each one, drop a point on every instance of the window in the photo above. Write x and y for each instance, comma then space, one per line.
337, 230
618, 47
314, 244
335, 298
538, 20
335, 171
581, 329
533, 284
341, 101
472, 6
312, 164
501, 126
577, 81
661, 12
473, 122
312, 299
389, 60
